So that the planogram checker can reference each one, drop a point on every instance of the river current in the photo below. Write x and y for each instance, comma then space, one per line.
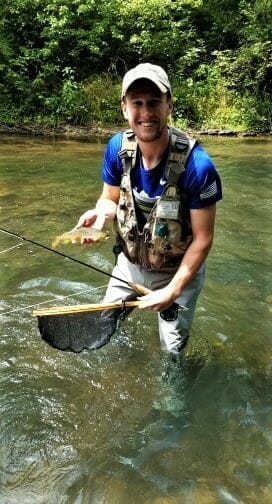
110, 426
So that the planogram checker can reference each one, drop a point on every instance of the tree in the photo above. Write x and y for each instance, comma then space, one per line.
55, 56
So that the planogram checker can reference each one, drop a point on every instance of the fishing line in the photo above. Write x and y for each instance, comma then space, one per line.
49, 301
10, 248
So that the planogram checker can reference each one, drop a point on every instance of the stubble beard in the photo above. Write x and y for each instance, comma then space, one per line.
151, 134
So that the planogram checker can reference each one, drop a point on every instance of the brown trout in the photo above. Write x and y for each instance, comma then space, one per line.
76, 235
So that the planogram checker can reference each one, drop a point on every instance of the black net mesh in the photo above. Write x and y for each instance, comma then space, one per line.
79, 331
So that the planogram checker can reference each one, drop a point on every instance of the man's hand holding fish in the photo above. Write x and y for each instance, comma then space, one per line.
105, 210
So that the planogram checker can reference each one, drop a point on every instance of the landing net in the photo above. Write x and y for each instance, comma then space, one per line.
81, 327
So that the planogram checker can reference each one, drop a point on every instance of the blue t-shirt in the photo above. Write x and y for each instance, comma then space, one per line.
200, 180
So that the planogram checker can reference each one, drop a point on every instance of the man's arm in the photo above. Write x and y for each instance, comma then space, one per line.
110, 192
203, 222
105, 209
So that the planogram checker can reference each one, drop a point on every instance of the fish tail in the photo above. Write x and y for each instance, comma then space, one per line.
55, 243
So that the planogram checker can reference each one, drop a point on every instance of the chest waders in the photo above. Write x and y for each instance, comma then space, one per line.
167, 232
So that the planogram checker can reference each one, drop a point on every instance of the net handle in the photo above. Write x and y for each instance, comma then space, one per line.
65, 310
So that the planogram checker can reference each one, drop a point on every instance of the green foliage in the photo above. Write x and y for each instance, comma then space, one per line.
63, 60
69, 105
161, 31
103, 107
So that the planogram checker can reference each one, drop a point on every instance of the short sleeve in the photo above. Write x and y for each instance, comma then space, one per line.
112, 165
201, 181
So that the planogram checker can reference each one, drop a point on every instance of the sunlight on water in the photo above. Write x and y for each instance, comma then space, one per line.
122, 423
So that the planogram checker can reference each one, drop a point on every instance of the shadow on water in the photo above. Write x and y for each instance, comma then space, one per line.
124, 423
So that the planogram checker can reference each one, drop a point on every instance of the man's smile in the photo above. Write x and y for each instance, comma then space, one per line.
147, 124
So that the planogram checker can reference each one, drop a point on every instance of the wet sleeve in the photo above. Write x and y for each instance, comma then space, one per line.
201, 180
112, 166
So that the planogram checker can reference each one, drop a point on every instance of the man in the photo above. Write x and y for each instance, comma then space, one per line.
161, 188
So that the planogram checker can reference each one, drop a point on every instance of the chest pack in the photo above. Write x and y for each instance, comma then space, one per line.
167, 232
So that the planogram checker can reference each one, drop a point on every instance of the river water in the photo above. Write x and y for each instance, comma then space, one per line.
107, 426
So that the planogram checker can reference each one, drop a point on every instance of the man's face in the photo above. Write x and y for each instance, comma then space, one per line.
147, 110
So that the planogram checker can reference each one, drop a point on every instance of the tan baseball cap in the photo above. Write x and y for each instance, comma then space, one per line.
154, 73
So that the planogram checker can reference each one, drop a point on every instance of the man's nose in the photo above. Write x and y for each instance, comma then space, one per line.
146, 109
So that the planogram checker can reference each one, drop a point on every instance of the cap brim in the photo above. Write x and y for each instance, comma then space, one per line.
158, 84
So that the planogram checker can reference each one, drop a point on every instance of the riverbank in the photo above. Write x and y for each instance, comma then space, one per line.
105, 132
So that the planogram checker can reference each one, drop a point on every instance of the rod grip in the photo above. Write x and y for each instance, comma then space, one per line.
140, 289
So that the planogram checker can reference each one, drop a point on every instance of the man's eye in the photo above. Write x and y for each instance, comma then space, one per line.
152, 103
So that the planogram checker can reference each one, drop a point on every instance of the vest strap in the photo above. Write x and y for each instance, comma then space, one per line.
180, 148
129, 151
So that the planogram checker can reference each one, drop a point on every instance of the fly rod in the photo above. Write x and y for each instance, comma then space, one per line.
140, 289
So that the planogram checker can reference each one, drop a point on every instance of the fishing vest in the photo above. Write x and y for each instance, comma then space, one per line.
167, 232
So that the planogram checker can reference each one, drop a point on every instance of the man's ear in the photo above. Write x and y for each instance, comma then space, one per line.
171, 106
124, 109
